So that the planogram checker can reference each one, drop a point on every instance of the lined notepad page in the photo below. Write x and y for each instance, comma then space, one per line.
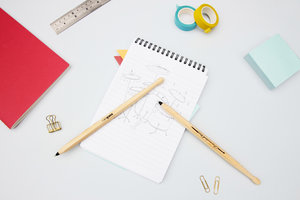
144, 138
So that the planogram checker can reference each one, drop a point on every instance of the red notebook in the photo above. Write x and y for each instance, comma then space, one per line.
28, 68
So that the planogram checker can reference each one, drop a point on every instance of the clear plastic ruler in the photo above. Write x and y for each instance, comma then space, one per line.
76, 14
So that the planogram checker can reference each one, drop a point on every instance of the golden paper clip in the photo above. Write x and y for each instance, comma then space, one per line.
216, 185
204, 184
53, 124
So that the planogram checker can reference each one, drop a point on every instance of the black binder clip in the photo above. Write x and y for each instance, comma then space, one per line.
53, 124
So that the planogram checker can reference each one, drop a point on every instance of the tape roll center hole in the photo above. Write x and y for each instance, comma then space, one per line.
186, 16
206, 17
209, 15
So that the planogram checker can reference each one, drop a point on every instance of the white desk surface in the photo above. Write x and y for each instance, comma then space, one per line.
257, 126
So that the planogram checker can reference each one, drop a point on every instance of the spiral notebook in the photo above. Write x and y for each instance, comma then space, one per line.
144, 138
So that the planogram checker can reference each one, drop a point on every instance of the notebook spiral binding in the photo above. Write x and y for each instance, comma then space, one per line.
170, 54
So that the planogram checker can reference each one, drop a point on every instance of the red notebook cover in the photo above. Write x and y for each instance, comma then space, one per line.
27, 69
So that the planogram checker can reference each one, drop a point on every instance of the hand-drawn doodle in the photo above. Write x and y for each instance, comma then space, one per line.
129, 78
157, 70
146, 115
178, 97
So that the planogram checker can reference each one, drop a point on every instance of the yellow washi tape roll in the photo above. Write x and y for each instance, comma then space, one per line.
210, 13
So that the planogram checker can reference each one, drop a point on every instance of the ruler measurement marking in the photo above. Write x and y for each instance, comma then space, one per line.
76, 14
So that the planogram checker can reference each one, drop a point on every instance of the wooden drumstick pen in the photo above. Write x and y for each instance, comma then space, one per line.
208, 142
107, 118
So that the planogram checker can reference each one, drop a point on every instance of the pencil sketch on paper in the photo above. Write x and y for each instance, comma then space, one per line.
129, 78
157, 70
147, 115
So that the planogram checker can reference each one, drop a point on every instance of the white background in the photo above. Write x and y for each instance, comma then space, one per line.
257, 126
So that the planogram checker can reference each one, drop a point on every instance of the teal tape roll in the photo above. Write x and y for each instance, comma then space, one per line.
182, 19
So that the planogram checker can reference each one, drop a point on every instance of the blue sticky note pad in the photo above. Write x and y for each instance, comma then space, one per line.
273, 61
